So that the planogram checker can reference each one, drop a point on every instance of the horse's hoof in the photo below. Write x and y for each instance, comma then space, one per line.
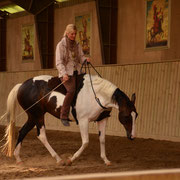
19, 163
68, 162
61, 163
108, 163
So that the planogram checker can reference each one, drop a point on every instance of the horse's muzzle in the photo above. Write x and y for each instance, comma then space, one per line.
131, 137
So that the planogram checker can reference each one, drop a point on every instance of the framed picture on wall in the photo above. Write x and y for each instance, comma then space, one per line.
27, 42
83, 24
157, 24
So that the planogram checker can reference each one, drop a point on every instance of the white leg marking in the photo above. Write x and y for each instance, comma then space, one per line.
102, 128
133, 114
83, 125
42, 137
17, 153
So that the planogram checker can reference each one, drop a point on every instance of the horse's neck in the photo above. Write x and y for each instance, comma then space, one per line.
102, 87
120, 98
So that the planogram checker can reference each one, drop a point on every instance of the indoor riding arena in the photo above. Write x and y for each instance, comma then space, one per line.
133, 119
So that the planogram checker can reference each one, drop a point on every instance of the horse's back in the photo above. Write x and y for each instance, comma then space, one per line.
35, 88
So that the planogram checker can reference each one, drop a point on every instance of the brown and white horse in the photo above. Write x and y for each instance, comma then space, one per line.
84, 110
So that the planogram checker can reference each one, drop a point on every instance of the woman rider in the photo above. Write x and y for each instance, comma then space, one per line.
69, 56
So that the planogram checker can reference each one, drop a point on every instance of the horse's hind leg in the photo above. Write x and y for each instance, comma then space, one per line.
22, 133
42, 137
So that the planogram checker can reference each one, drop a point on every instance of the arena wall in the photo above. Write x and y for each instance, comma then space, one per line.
157, 88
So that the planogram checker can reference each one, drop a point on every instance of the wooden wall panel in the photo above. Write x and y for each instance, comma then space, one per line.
157, 88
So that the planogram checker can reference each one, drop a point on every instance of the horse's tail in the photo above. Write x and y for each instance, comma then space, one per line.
8, 147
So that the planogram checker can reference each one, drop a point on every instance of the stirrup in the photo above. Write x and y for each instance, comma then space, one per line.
65, 122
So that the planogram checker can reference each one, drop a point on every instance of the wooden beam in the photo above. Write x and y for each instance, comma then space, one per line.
3, 27
167, 174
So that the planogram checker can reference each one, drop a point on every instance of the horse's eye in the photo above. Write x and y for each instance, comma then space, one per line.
123, 119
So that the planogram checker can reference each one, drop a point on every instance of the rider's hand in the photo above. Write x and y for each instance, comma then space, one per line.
88, 59
65, 77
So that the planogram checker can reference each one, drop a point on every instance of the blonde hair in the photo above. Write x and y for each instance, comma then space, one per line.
70, 28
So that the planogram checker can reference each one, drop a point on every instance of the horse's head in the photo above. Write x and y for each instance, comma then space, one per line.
127, 117
127, 112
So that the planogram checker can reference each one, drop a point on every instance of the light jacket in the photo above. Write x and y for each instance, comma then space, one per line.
68, 66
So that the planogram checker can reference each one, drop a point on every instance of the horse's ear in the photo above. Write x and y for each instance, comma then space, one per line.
133, 98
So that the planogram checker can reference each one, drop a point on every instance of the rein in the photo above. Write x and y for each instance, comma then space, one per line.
96, 98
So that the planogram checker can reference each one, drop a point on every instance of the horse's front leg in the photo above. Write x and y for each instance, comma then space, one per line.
83, 125
42, 137
101, 128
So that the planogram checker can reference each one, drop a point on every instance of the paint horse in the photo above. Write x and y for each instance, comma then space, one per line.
84, 109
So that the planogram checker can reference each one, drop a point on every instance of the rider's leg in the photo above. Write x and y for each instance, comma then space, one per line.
70, 86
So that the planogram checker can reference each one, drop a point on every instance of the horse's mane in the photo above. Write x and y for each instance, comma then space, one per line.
101, 86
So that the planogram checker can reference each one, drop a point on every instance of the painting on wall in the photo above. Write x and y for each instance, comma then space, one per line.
83, 24
157, 24
27, 42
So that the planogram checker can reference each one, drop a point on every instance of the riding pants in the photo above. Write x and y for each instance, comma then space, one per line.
70, 86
